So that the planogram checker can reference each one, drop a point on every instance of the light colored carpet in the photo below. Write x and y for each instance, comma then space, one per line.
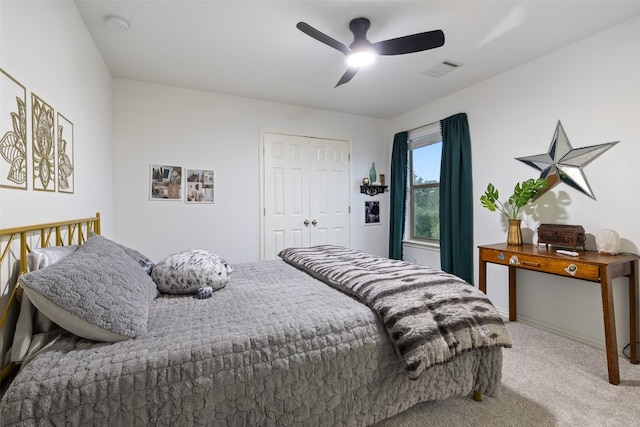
547, 380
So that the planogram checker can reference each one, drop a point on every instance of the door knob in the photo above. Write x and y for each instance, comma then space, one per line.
314, 222
306, 222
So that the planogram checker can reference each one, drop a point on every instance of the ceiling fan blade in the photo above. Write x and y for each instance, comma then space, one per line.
322, 37
409, 44
347, 76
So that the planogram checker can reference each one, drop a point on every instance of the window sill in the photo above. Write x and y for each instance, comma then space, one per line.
422, 245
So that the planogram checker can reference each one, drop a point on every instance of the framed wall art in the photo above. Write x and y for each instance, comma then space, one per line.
199, 186
372, 212
13, 133
165, 182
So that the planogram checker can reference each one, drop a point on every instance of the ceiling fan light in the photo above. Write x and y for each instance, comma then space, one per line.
360, 58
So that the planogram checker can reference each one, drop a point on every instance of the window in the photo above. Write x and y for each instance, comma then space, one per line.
425, 152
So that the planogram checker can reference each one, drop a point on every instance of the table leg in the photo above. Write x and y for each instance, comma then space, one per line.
482, 275
513, 306
633, 310
609, 326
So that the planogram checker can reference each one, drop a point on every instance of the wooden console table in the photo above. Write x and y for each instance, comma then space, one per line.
589, 265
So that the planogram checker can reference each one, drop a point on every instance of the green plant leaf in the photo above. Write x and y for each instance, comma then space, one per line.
523, 193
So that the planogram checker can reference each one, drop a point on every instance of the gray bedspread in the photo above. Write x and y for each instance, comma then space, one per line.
275, 347
431, 316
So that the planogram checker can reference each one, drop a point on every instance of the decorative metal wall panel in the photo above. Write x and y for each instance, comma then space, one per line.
43, 144
65, 155
13, 133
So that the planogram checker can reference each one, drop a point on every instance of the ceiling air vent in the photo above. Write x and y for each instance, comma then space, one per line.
442, 68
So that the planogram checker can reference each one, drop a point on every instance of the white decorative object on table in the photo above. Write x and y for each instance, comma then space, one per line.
608, 242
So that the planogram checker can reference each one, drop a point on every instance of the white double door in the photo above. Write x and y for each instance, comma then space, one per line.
305, 196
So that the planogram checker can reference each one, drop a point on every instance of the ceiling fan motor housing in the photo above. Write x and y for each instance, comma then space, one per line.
359, 28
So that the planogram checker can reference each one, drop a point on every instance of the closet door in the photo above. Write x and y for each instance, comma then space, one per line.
329, 192
286, 193
305, 196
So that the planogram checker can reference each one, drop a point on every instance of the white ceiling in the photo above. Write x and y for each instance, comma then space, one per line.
253, 48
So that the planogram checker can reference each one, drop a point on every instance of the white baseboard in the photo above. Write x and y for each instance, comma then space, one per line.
559, 331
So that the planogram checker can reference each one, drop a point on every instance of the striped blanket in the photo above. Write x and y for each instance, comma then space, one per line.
431, 316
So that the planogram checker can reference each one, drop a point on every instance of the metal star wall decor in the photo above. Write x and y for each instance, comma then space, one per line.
564, 164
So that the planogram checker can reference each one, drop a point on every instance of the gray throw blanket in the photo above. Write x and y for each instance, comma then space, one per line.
431, 316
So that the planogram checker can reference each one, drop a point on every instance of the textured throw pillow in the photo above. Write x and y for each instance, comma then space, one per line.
99, 292
186, 272
146, 264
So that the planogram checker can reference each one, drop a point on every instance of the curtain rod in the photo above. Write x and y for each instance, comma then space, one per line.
424, 126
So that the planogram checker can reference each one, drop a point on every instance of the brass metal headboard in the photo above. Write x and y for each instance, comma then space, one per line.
23, 239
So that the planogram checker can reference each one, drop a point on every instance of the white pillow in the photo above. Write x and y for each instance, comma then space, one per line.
33, 329
43, 257
186, 272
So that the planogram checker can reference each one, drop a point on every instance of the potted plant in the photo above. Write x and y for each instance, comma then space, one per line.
523, 193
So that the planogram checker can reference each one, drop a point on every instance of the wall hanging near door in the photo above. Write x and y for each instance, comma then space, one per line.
199, 186
166, 182
372, 213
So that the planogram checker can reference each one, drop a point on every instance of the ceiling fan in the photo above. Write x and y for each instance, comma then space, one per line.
362, 52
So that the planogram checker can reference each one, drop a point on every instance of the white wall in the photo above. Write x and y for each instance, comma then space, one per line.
592, 87
46, 47
173, 126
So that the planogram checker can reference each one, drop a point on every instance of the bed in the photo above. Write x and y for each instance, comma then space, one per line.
303, 340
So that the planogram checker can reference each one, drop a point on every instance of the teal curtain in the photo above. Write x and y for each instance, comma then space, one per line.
398, 194
456, 198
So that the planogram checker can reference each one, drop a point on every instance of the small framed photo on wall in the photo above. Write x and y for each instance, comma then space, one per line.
166, 182
199, 186
372, 212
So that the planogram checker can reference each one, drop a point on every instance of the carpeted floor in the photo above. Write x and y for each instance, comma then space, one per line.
547, 380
